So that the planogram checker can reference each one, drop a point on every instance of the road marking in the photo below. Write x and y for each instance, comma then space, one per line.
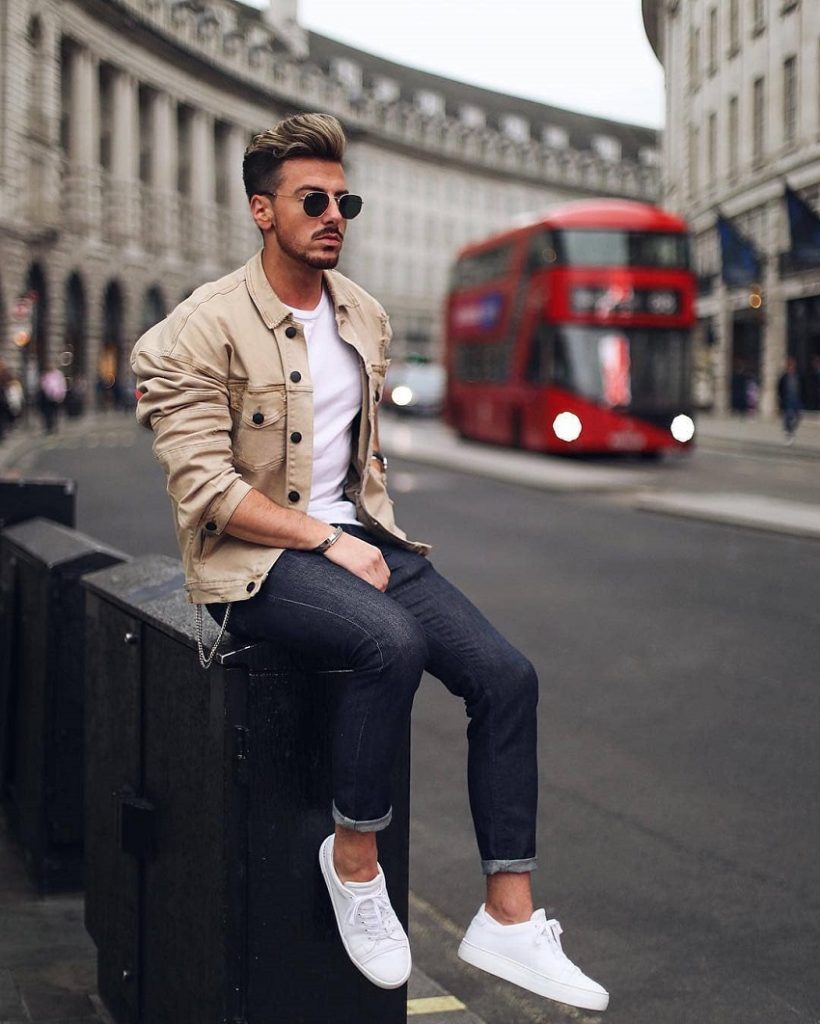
433, 1004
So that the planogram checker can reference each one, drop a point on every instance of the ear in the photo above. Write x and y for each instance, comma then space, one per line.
262, 212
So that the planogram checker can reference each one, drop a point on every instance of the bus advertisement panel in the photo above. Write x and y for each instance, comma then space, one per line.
572, 333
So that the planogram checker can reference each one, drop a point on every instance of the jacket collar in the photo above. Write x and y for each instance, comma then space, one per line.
271, 307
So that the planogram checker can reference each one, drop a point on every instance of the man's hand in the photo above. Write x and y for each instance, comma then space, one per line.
362, 559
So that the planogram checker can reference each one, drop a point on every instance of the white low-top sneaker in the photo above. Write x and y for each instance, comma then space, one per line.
371, 933
530, 955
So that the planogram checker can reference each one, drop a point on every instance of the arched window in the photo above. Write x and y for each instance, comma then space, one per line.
110, 364
37, 287
75, 327
153, 307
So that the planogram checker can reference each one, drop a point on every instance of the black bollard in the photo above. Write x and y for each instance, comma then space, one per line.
26, 499
208, 794
41, 692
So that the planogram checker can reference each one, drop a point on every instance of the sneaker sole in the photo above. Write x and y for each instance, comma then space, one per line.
359, 967
522, 976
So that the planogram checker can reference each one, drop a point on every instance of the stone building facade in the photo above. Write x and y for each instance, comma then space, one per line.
122, 129
743, 123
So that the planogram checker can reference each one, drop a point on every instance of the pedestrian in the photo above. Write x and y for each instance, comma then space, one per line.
6, 416
52, 395
262, 390
788, 393
813, 383
739, 388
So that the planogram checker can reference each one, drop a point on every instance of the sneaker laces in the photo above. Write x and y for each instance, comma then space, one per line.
550, 932
376, 913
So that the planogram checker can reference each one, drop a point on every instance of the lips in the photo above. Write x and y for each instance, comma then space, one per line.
329, 237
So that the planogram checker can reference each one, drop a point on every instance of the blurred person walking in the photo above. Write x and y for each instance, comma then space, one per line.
51, 397
262, 390
6, 416
788, 393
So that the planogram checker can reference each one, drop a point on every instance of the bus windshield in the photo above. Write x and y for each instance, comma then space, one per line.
621, 249
635, 368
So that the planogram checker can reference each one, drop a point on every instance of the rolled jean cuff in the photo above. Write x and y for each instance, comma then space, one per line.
376, 825
517, 867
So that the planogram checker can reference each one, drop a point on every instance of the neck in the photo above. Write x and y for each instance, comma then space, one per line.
295, 283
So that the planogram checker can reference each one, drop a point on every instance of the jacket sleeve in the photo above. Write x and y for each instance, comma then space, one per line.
187, 405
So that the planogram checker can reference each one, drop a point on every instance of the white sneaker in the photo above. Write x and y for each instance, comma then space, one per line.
371, 933
530, 955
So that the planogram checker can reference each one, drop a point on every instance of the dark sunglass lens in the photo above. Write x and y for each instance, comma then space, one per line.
315, 203
350, 206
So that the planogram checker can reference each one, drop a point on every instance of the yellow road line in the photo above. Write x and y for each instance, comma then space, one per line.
434, 1004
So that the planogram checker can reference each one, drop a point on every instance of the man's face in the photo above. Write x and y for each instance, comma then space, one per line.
315, 241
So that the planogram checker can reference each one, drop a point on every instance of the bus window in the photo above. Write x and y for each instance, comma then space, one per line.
482, 268
483, 362
541, 252
616, 367
622, 249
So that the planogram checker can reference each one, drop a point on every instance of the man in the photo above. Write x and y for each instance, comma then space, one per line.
262, 390
788, 393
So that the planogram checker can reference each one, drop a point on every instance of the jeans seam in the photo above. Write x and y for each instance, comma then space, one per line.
273, 599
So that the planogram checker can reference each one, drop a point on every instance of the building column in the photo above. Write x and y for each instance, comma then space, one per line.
242, 227
123, 199
83, 185
723, 351
774, 338
203, 187
164, 219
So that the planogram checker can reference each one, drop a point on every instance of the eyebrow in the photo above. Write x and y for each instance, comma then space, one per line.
318, 188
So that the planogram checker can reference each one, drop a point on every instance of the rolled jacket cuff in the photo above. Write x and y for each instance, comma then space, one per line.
516, 867
221, 510
375, 825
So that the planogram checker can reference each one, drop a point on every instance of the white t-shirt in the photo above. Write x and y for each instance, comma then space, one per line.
337, 399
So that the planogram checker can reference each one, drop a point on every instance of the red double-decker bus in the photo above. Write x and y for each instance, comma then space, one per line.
572, 333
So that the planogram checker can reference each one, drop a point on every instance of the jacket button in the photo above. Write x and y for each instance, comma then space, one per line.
296, 376
296, 437
250, 587
210, 526
258, 418
290, 332
293, 495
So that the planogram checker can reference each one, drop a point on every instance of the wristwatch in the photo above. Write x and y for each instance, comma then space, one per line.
379, 457
329, 541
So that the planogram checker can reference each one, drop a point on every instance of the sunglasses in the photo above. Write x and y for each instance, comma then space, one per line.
315, 203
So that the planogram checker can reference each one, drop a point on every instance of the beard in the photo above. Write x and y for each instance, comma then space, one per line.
316, 261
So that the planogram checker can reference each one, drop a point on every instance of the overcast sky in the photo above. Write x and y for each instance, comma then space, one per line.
588, 55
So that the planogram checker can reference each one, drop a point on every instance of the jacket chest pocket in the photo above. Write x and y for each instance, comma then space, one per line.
258, 436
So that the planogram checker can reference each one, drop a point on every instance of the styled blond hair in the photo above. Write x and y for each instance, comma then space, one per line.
304, 135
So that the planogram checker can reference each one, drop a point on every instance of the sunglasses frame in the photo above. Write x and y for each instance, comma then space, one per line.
339, 200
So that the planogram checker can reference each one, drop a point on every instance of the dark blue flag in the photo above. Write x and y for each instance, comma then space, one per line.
804, 225
740, 262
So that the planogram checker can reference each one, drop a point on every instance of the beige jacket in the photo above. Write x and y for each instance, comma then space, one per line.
225, 386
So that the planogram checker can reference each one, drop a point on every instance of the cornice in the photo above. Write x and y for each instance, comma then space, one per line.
232, 48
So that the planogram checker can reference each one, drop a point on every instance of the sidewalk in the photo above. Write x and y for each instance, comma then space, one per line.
748, 435
755, 436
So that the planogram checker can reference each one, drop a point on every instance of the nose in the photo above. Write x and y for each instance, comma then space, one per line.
332, 214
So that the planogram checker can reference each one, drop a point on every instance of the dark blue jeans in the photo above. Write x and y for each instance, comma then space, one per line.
309, 604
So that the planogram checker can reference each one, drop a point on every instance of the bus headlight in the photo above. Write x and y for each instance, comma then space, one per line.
567, 426
683, 428
401, 395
